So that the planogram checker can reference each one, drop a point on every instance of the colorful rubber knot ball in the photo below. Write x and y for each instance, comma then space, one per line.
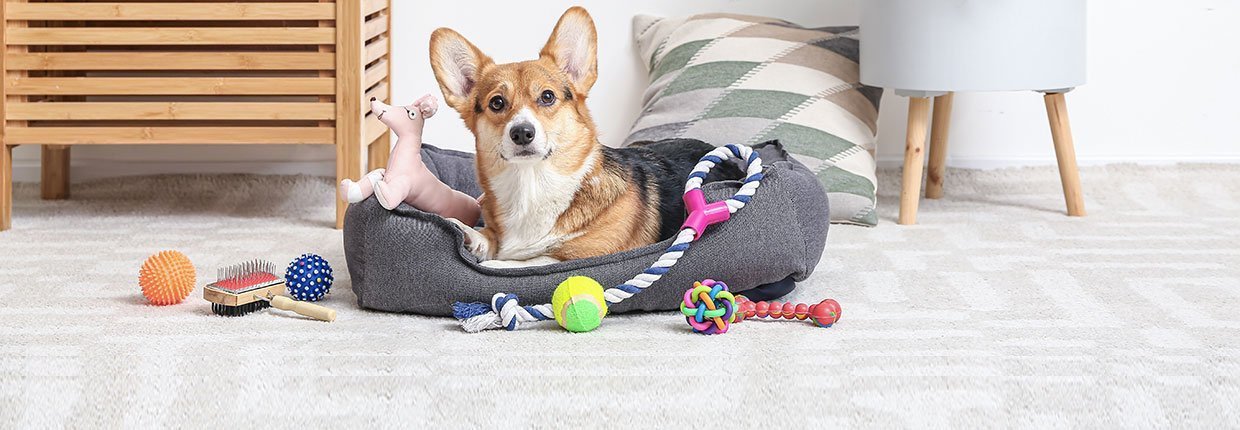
308, 278
709, 307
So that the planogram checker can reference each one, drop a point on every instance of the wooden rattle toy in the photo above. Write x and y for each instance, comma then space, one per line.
823, 314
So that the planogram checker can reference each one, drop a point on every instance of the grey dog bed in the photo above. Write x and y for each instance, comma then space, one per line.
411, 261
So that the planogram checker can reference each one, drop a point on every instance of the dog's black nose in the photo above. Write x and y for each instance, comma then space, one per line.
522, 134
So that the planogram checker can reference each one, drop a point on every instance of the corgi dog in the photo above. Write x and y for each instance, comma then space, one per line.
551, 191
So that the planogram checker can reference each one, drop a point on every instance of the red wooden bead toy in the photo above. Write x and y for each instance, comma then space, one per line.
823, 314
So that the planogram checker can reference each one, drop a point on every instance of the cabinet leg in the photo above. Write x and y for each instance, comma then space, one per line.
55, 180
6, 187
939, 124
914, 155
348, 165
1065, 154
378, 152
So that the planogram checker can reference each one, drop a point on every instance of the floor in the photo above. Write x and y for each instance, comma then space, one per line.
997, 310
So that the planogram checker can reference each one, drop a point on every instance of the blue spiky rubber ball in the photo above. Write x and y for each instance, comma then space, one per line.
308, 278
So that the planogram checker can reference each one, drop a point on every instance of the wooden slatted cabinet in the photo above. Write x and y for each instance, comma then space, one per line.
90, 72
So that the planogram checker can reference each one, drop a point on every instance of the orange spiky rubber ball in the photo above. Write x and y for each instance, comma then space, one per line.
166, 278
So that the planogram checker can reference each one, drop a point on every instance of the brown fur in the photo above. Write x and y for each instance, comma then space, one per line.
610, 216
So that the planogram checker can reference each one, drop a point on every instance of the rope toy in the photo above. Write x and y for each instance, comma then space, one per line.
505, 310
823, 314
709, 307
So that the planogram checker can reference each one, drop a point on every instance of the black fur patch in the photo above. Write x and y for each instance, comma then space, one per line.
477, 107
568, 94
662, 167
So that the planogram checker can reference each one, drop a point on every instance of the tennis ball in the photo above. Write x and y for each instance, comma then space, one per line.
578, 304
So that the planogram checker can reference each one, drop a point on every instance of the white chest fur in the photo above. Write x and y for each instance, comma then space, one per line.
530, 199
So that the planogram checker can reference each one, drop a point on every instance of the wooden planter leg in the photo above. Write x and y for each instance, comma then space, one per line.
1065, 154
55, 178
914, 155
6, 187
939, 125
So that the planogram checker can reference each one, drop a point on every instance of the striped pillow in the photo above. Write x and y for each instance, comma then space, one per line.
743, 79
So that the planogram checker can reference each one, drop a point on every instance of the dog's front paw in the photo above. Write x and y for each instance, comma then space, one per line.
475, 242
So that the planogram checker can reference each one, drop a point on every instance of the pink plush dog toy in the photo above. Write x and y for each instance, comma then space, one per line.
406, 178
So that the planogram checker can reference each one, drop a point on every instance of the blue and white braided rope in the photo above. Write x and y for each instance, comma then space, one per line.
506, 312
753, 173
476, 317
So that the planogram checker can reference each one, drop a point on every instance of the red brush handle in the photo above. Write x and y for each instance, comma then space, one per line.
823, 314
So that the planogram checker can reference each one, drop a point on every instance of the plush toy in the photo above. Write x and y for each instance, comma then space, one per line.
578, 304
406, 178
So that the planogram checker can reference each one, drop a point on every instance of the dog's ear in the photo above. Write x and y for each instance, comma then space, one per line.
456, 63
573, 47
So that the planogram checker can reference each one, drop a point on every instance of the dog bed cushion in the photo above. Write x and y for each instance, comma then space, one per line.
411, 261
744, 79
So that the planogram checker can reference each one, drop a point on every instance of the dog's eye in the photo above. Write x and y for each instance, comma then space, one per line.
547, 98
497, 103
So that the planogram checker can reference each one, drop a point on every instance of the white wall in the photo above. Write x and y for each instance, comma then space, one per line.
1162, 87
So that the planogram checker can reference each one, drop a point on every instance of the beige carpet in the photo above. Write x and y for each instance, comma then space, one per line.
997, 310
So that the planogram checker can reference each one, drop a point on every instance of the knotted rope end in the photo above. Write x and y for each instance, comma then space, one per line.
464, 311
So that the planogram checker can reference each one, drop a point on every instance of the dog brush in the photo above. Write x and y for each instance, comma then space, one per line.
252, 286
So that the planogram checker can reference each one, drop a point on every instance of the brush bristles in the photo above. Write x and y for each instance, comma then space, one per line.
236, 311
245, 269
